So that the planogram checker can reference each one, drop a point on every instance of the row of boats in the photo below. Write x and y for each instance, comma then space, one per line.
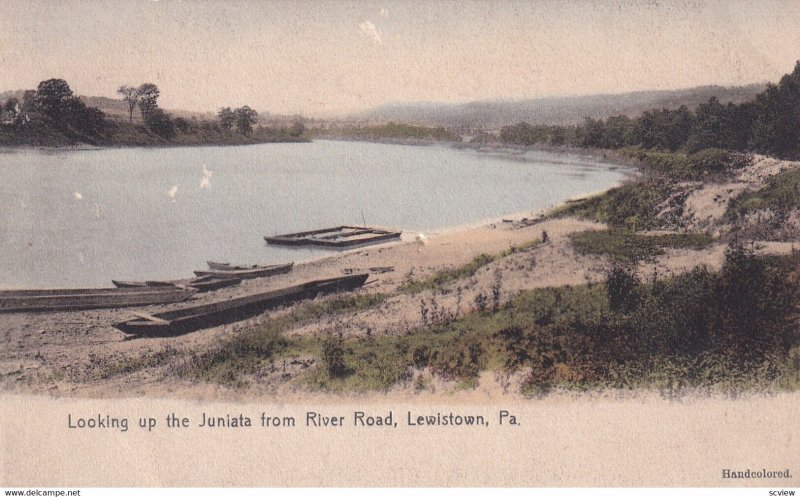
218, 275
187, 318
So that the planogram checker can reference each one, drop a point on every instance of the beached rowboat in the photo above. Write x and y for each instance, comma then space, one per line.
141, 284
90, 298
197, 317
210, 283
202, 284
227, 266
255, 272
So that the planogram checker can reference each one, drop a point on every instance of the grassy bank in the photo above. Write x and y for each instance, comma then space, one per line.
729, 331
442, 277
632, 206
771, 213
193, 133
621, 245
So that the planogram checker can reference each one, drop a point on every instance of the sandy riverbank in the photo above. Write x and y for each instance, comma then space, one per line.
42, 347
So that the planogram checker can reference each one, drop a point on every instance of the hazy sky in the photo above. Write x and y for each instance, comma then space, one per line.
321, 58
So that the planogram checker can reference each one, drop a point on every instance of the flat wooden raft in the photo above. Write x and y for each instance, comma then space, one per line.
338, 237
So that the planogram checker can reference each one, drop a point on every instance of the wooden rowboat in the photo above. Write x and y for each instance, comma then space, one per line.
202, 284
256, 272
188, 319
338, 237
227, 266
209, 283
90, 298
141, 284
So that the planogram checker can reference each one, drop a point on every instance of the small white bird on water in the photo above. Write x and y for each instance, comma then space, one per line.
206, 181
172, 191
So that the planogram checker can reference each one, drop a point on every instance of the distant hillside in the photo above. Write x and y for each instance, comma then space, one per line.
483, 115
113, 108
116, 108
492, 115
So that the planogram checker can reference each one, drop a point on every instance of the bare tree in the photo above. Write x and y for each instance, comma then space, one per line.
130, 95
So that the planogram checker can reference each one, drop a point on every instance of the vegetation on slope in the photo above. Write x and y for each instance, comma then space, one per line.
730, 330
767, 124
625, 246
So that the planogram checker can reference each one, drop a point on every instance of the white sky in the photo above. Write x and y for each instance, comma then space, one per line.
321, 58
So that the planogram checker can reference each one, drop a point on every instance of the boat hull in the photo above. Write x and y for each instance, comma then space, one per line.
141, 284
213, 283
227, 266
247, 273
202, 283
90, 298
189, 319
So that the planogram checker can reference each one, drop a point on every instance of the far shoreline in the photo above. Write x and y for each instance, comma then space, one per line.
88, 147
506, 150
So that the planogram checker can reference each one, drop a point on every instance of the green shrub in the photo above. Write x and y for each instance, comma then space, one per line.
242, 354
632, 206
333, 353
709, 163
621, 286
440, 278
780, 195
460, 360
624, 246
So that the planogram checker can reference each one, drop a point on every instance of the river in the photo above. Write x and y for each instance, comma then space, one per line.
78, 218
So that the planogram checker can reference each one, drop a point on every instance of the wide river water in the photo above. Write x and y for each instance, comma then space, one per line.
78, 218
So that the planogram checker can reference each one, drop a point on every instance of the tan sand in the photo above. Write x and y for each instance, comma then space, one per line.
706, 202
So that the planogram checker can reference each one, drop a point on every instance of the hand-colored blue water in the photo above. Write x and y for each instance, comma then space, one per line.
77, 218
